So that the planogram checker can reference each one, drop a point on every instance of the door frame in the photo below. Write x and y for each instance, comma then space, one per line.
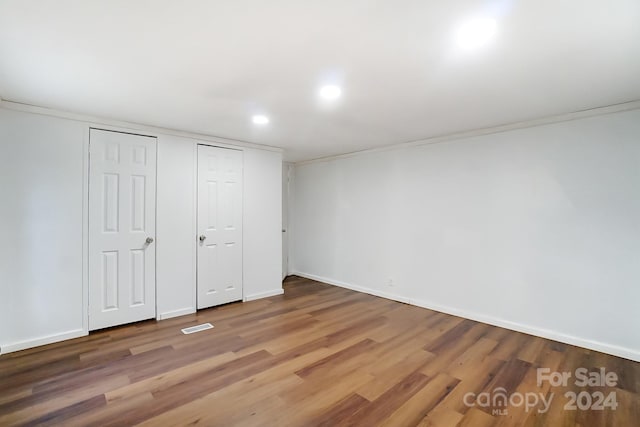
195, 211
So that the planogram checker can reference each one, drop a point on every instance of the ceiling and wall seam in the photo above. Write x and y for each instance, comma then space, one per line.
138, 127
558, 118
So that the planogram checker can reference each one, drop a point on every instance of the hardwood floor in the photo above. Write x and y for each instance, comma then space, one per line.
317, 356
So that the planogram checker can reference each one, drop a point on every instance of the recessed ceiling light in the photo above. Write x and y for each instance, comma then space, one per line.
476, 32
260, 120
330, 92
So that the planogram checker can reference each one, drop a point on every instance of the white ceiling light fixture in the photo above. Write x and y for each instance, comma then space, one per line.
260, 119
330, 92
476, 32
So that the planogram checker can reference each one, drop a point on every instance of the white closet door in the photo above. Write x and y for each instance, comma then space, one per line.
219, 226
122, 226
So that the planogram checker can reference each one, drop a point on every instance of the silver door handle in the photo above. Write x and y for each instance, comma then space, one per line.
149, 240
202, 238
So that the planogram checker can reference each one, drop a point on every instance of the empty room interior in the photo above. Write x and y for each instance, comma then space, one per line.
333, 213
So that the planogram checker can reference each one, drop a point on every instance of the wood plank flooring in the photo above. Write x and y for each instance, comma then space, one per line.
317, 356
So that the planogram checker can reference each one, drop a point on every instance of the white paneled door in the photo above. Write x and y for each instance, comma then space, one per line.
122, 226
285, 219
219, 226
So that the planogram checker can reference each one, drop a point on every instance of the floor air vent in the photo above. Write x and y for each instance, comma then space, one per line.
197, 328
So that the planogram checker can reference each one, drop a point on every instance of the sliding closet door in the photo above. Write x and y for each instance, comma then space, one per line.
219, 226
122, 227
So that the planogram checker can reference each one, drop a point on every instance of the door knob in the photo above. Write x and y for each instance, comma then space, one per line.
202, 238
149, 240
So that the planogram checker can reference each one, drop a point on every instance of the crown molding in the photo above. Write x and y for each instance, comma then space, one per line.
130, 126
576, 115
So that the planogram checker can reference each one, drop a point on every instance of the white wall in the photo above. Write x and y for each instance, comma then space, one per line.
262, 224
176, 227
42, 175
535, 229
43, 170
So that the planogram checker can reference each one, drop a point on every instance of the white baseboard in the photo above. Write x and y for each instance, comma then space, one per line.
266, 294
49, 339
353, 287
176, 313
614, 350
